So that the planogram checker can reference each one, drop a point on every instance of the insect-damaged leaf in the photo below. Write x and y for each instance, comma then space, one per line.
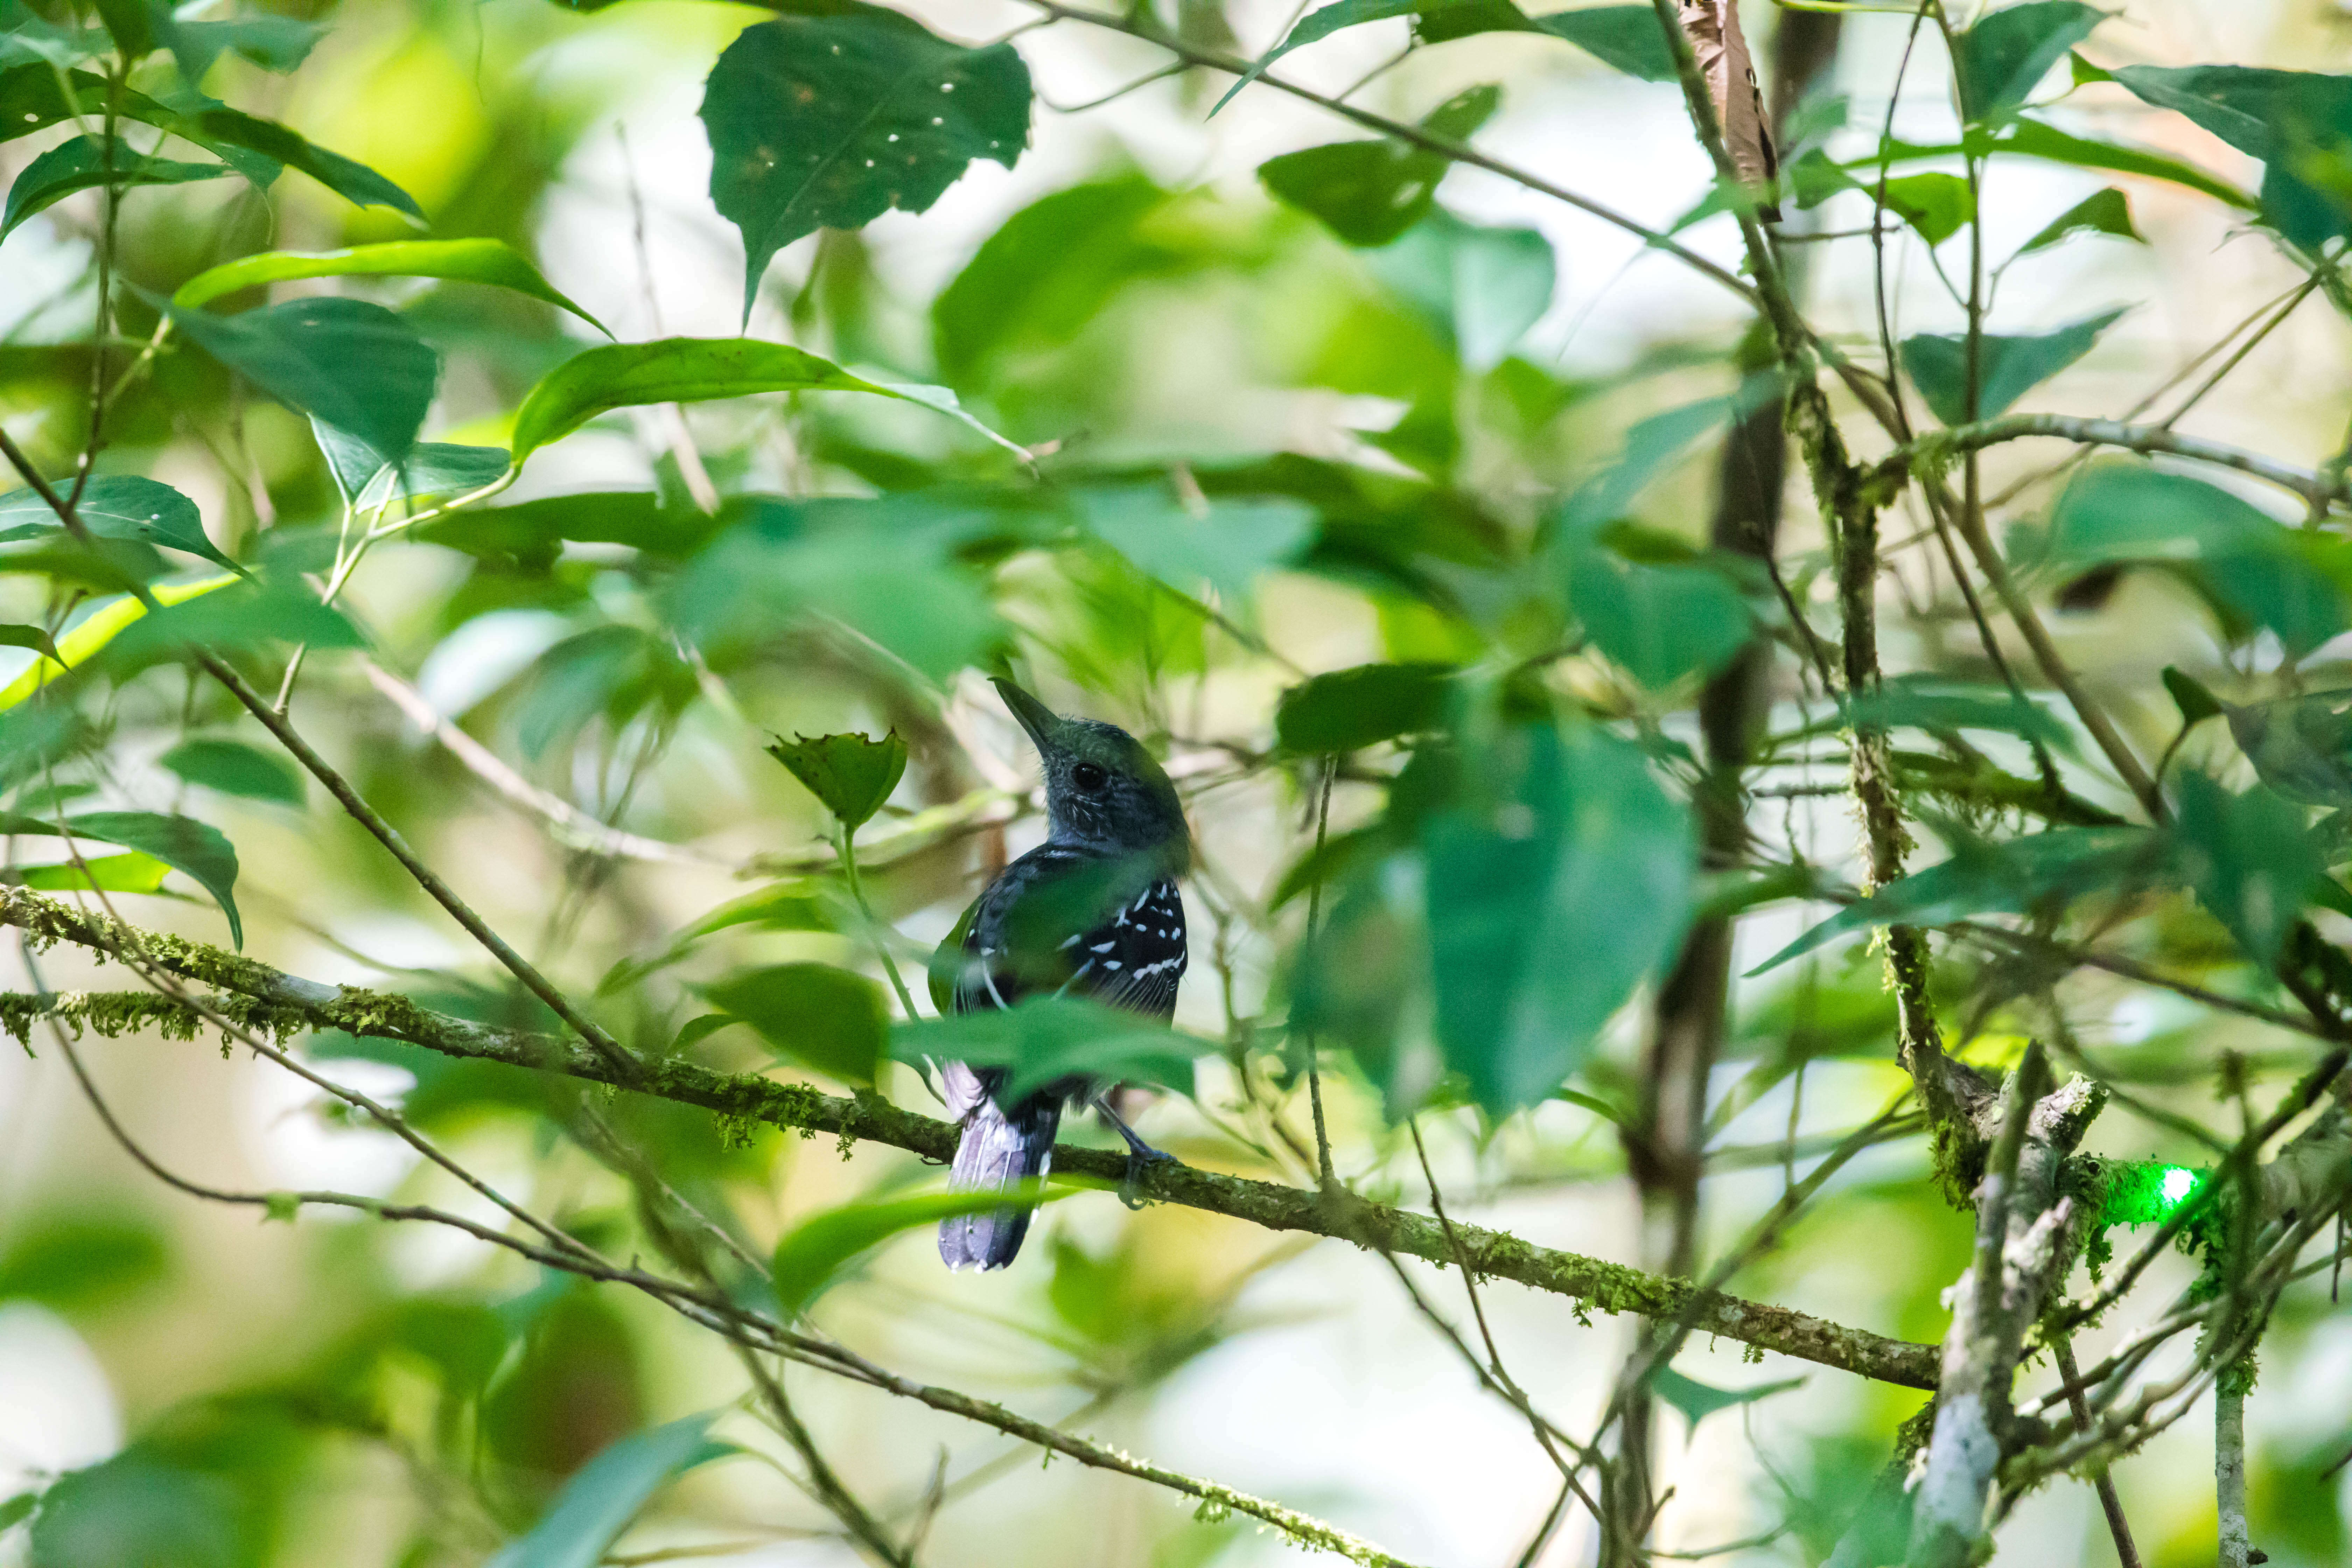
832, 117
851, 774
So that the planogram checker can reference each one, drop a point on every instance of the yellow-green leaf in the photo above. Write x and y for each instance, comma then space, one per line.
488, 261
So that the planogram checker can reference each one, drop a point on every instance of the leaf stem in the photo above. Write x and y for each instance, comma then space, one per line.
848, 841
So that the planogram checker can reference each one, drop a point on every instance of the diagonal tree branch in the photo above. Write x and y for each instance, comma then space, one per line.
268, 1000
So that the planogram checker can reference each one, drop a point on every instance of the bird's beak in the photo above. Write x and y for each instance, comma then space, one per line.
1040, 721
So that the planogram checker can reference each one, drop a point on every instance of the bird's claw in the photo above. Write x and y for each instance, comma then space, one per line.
1140, 1159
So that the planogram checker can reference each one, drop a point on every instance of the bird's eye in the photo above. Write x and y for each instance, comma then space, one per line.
1089, 778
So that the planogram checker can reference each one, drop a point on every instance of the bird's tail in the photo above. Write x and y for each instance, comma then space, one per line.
997, 1152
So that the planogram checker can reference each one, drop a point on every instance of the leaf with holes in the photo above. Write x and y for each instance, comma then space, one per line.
851, 774
833, 117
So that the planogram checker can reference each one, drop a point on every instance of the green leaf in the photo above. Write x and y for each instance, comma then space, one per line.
1050, 1037
2102, 212
180, 842
1697, 1401
232, 767
1552, 891
1936, 206
1349, 709
1625, 36
2252, 569
1317, 24
492, 262
851, 774
1654, 444
34, 637
117, 506
84, 163
817, 1254
825, 1017
599, 1502
2007, 367
1368, 193
831, 118
105, 624
279, 44
2248, 858
2189, 695
73, 1260
2295, 122
1051, 268
1939, 706
356, 366
886, 568
2031, 139
2004, 56
1229, 548
2301, 746
693, 370
220, 127
18, 1510
133, 1509
1479, 287
535, 532
253, 615
130, 873
2007, 878
431, 468
1661, 623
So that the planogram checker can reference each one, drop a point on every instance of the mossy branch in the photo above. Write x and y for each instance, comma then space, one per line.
265, 998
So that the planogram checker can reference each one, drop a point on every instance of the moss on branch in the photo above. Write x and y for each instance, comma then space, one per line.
268, 1000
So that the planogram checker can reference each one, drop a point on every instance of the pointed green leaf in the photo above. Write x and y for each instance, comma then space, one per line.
2300, 746
2102, 212
2003, 57
117, 506
1480, 287
487, 261
131, 873
1661, 623
2189, 695
180, 842
1697, 1401
1349, 709
597, 1504
2007, 367
815, 1254
830, 118
851, 774
354, 365
825, 1017
1228, 548
1560, 880
354, 182
2008, 878
34, 637
2250, 859
84, 163
694, 370
1368, 193
1318, 24
92, 635
232, 767
1625, 36
1936, 206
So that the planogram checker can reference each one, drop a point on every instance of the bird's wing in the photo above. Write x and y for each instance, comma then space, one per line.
1128, 948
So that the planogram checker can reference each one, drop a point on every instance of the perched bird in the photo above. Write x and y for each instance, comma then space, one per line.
1092, 911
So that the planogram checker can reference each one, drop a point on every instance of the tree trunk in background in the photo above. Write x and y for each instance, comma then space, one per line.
1664, 1148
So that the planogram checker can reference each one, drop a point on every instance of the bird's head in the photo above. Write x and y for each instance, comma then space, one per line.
1103, 791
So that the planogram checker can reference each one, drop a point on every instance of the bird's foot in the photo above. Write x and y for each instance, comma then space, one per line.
1140, 1158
